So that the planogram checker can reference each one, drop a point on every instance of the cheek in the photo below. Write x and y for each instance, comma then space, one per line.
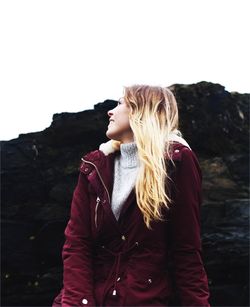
125, 119
125, 123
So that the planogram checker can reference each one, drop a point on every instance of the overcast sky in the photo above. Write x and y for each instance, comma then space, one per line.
65, 56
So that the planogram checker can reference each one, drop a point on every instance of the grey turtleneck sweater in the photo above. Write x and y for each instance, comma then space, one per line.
125, 171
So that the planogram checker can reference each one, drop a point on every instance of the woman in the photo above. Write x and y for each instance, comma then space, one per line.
133, 238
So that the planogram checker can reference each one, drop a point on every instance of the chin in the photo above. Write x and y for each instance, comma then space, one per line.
110, 135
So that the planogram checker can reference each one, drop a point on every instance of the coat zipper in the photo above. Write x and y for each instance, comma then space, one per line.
96, 209
97, 204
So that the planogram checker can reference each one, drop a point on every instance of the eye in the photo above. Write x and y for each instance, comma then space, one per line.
120, 101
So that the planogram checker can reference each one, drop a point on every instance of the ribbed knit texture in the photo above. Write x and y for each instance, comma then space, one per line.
125, 171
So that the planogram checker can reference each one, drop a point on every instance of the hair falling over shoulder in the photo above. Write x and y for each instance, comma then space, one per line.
153, 117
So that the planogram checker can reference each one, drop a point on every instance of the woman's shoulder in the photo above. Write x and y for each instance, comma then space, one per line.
179, 150
185, 159
181, 154
179, 147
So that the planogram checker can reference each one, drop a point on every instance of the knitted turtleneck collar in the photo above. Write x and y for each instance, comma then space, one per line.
129, 157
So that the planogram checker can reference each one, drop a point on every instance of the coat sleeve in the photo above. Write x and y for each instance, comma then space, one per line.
77, 251
189, 274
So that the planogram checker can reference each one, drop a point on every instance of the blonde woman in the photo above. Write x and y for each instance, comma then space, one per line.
133, 238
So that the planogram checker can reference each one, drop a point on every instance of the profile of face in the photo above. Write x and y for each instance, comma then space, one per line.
119, 127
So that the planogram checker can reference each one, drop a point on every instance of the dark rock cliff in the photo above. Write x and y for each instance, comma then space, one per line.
39, 171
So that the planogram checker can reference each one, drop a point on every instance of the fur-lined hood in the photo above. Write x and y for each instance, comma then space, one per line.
112, 145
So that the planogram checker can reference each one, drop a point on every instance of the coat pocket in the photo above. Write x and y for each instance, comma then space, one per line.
148, 286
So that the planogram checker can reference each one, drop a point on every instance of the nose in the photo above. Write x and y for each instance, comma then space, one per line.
110, 113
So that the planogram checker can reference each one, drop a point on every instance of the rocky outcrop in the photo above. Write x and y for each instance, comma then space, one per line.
39, 171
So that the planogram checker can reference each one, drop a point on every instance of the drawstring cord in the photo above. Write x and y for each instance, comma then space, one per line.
118, 260
115, 268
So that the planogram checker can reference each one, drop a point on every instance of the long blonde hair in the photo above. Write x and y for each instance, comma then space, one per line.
153, 116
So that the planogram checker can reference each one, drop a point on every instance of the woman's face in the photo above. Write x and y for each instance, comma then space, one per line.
119, 127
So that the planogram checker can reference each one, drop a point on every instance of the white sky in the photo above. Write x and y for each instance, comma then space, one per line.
65, 56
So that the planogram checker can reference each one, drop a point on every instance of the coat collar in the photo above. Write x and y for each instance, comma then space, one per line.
95, 164
113, 146
103, 158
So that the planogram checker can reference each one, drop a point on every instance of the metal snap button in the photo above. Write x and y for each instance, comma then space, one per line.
84, 301
177, 150
150, 281
123, 238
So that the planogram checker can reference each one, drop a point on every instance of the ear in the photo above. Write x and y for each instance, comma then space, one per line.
109, 147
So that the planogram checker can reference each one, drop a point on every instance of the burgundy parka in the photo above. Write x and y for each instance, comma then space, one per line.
123, 263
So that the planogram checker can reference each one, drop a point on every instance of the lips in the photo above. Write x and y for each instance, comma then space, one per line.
111, 121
